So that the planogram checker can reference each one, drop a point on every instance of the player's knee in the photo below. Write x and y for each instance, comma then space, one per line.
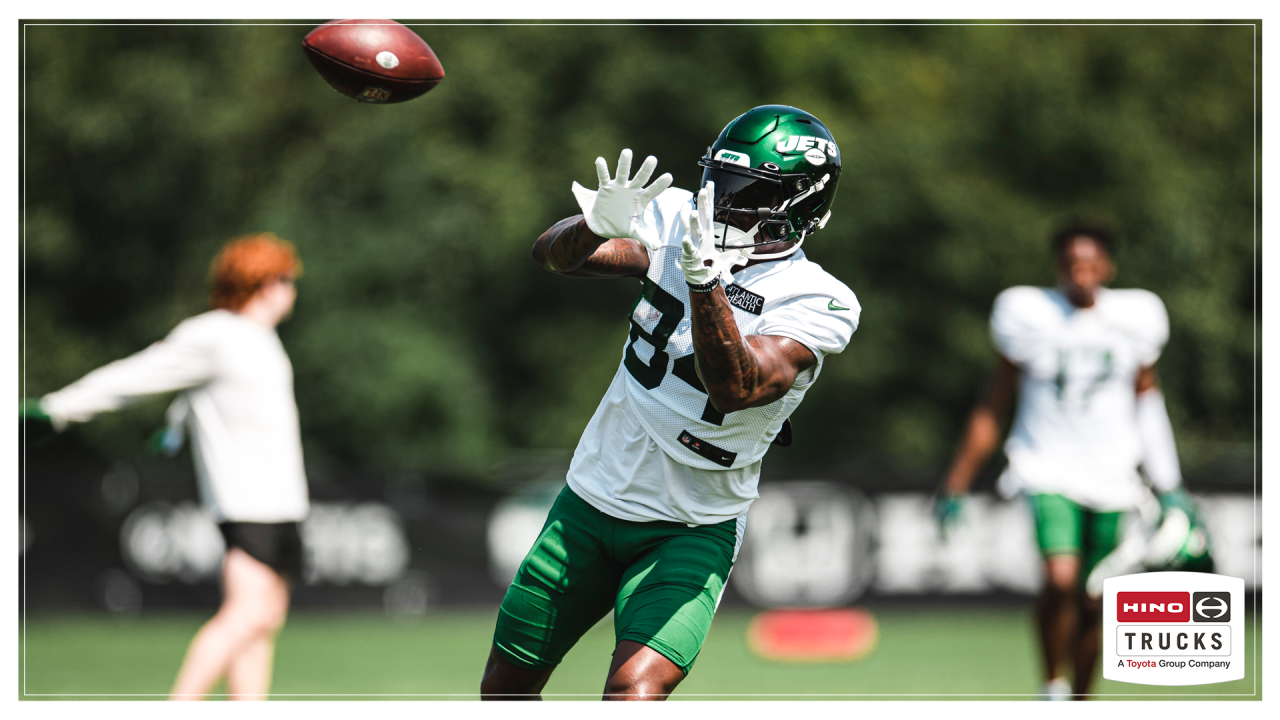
504, 681
636, 689
502, 686
492, 686
1062, 584
1062, 575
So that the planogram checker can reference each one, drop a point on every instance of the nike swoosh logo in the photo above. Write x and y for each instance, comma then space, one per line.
831, 305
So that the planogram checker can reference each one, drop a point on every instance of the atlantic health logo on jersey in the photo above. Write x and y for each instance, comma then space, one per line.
1173, 628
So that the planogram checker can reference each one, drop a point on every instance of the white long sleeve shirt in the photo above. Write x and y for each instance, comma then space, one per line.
242, 418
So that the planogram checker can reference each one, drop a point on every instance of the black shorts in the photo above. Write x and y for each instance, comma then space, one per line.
276, 545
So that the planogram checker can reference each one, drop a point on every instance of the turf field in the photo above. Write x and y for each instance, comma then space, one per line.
970, 652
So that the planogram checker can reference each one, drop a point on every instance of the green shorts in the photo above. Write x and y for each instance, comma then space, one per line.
1064, 527
662, 580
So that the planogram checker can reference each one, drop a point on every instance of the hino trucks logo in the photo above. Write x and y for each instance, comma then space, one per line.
1172, 628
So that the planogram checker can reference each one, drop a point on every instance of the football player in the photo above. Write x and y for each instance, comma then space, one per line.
237, 400
728, 333
1081, 359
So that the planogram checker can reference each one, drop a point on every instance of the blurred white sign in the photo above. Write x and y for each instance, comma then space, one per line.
342, 543
807, 543
347, 543
1235, 531
992, 548
162, 542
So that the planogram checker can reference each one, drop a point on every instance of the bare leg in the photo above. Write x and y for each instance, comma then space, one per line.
503, 680
639, 672
249, 677
1056, 612
255, 602
1088, 644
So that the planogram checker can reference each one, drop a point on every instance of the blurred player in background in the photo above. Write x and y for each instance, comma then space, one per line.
1081, 359
716, 360
237, 401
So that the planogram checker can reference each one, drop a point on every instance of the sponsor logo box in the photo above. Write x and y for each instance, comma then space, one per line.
1173, 628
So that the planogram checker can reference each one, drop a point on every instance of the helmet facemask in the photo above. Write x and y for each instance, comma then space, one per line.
752, 207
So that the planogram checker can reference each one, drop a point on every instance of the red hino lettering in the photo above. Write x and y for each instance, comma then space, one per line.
1153, 607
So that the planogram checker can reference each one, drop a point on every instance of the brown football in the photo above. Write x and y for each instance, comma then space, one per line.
373, 61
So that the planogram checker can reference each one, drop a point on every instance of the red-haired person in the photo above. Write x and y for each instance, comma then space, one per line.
237, 403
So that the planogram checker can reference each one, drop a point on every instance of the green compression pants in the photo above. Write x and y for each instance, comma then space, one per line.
663, 581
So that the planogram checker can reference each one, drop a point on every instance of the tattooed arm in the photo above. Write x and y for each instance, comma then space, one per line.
570, 248
740, 372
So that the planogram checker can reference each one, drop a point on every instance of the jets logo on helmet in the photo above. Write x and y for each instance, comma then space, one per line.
775, 170
734, 158
802, 143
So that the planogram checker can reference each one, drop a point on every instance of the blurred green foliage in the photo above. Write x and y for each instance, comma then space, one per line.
425, 339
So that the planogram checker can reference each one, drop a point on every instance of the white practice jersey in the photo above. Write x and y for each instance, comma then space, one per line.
656, 449
239, 409
1076, 430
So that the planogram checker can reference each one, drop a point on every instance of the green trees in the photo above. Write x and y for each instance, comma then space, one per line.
425, 339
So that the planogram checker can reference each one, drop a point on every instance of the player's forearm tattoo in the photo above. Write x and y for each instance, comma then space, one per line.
611, 258
740, 372
566, 245
570, 248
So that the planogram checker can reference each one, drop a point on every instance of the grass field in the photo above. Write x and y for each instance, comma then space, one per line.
969, 652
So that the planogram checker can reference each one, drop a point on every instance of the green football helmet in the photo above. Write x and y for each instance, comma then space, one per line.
775, 170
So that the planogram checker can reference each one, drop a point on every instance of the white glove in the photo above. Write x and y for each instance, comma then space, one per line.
699, 243
616, 210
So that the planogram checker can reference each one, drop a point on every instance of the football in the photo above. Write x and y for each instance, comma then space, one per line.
373, 61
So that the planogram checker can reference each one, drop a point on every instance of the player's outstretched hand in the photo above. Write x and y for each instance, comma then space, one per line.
29, 409
946, 509
699, 259
616, 210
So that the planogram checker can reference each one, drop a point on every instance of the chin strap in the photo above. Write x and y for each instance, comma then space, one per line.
811, 227
751, 255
